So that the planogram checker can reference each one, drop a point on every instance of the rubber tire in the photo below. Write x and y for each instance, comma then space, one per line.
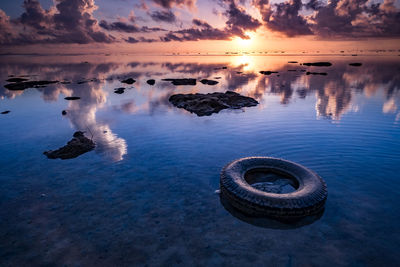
308, 199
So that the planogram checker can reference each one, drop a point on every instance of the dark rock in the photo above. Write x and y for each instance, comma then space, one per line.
16, 80
318, 64
72, 98
209, 82
224, 68
206, 104
151, 82
239, 72
128, 81
267, 72
217, 78
77, 146
186, 81
355, 64
65, 82
5, 112
120, 90
81, 82
293, 62
26, 85
316, 73
354, 55
64, 112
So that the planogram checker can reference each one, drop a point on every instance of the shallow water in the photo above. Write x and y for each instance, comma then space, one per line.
146, 194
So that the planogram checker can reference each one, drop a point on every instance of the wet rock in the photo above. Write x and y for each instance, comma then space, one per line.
224, 68
217, 78
5, 112
185, 81
355, 64
25, 85
151, 82
72, 98
316, 73
267, 72
64, 112
239, 72
206, 104
128, 81
65, 82
318, 64
77, 146
16, 80
293, 62
208, 82
354, 55
120, 90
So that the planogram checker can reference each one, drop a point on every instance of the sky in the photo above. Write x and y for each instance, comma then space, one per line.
189, 26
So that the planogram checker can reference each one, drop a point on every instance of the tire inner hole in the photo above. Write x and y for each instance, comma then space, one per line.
271, 180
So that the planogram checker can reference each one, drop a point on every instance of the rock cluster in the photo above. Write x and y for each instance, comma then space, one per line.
207, 104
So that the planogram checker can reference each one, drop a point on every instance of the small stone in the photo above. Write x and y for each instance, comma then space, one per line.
64, 112
72, 98
151, 82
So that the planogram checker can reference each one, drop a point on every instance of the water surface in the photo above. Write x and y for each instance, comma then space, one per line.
145, 195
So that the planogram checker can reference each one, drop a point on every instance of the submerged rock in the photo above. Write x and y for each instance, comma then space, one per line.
120, 90
128, 81
72, 98
151, 82
5, 112
355, 64
206, 104
209, 82
267, 72
316, 73
77, 146
26, 85
318, 64
185, 81
16, 80
64, 112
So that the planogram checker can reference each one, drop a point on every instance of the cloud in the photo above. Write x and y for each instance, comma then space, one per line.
332, 19
237, 24
284, 17
119, 26
239, 21
69, 21
172, 3
133, 40
163, 16
5, 27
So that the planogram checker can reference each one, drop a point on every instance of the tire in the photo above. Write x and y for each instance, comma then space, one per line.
308, 199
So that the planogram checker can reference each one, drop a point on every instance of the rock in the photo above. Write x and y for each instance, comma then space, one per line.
64, 112
186, 81
354, 55
292, 70
5, 112
293, 62
72, 98
355, 64
128, 81
267, 72
16, 80
151, 82
77, 146
239, 72
318, 64
206, 104
26, 85
209, 82
217, 78
316, 73
224, 68
120, 90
